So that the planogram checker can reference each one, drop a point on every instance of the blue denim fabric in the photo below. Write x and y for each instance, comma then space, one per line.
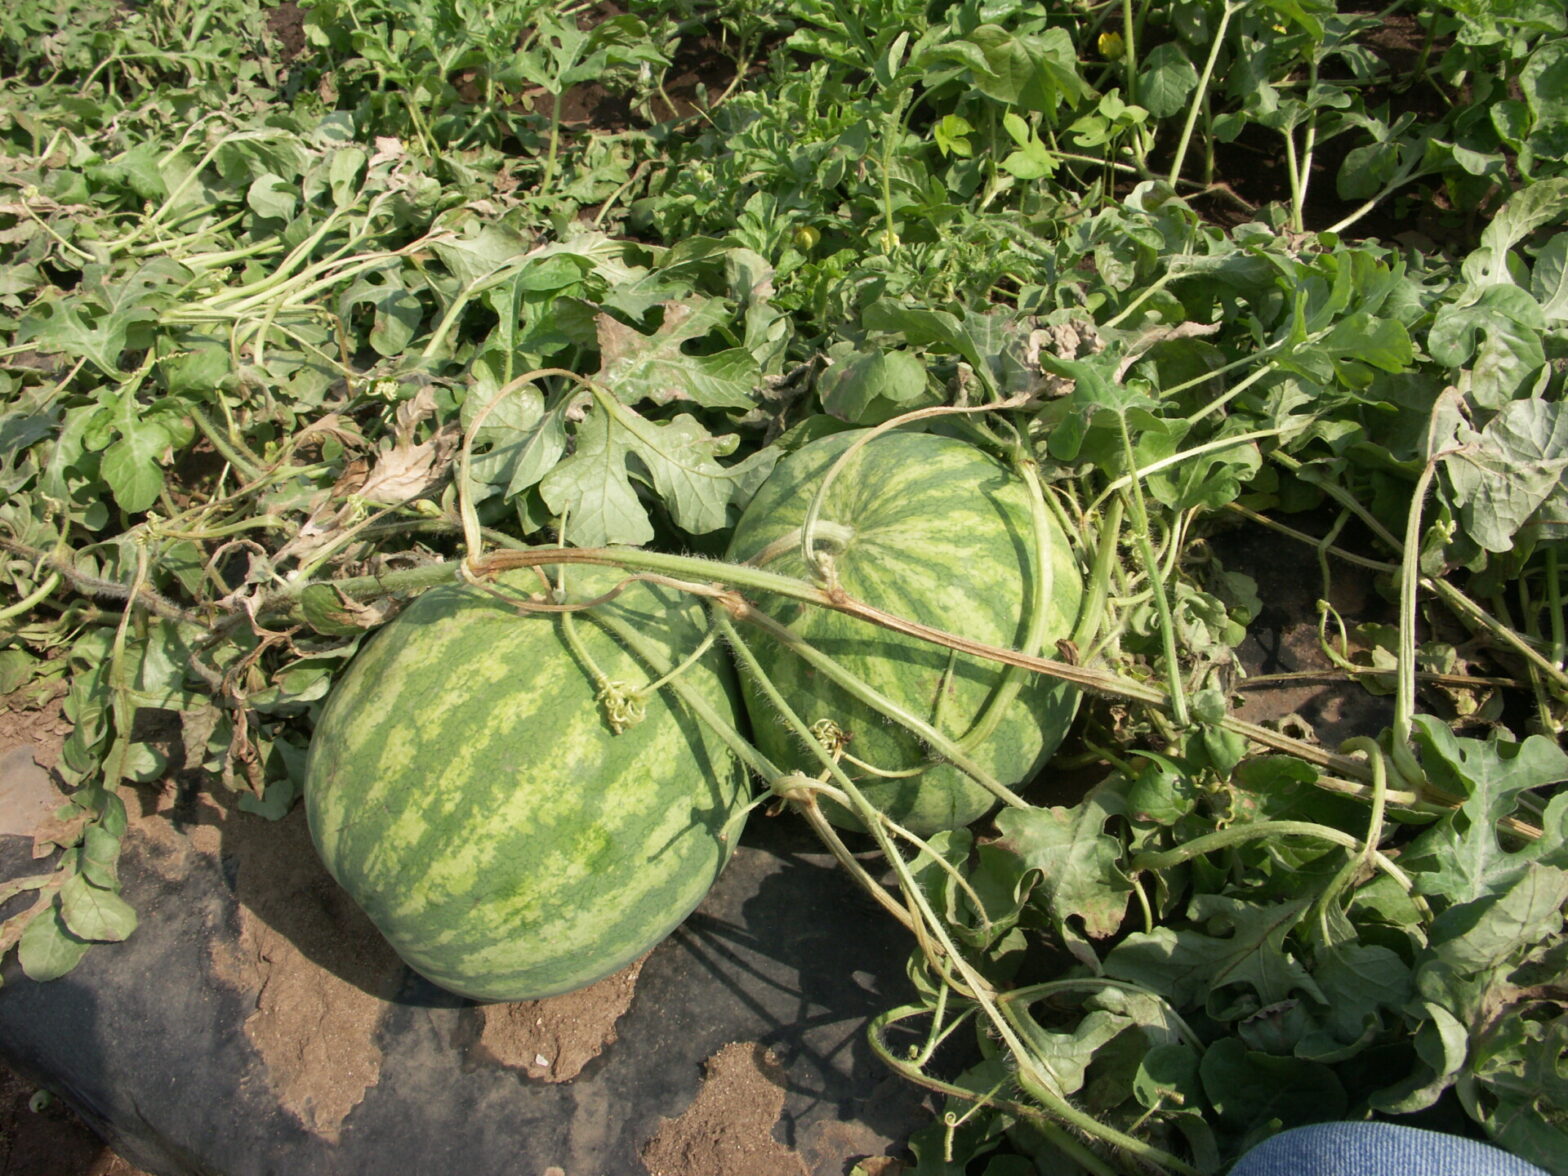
1376, 1149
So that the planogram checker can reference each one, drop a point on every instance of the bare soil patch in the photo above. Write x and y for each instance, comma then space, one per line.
554, 1039
729, 1126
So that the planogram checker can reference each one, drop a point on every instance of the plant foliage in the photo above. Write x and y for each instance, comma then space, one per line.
298, 316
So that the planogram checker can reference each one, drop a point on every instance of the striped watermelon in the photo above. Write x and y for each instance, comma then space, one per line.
464, 787
935, 530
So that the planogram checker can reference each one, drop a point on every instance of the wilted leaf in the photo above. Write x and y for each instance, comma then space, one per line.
1079, 863
656, 368
1501, 475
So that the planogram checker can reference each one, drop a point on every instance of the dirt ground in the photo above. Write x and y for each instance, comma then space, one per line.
41, 1136
319, 975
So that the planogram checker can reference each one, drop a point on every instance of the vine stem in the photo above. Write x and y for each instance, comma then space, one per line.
715, 579
708, 578
1140, 526
1196, 107
1451, 596
1409, 584
940, 949
1236, 834
39, 594
948, 749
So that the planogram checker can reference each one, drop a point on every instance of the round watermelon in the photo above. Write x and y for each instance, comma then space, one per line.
465, 787
934, 530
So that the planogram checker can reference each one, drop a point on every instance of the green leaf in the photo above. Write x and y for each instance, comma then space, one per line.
80, 328
483, 256
1442, 1044
536, 452
1033, 160
594, 490
1526, 210
1208, 480
1035, 72
952, 136
1522, 1068
272, 197
17, 667
1306, 14
1167, 1079
343, 174
21, 428
1163, 791
1168, 1075
398, 312
1249, 1089
1549, 279
1383, 343
679, 456
1079, 864
921, 327
1167, 79
1188, 964
99, 860
1498, 337
47, 950
133, 466
871, 387
1359, 982
1461, 857
1544, 80
1366, 170
1499, 927
162, 659
93, 913
1066, 1057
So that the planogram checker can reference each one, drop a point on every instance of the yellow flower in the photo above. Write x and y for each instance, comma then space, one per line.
1112, 46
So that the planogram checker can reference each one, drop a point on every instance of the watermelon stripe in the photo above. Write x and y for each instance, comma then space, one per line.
938, 532
463, 786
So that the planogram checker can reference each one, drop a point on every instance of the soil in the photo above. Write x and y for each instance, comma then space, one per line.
554, 1039
729, 1126
318, 979
41, 1136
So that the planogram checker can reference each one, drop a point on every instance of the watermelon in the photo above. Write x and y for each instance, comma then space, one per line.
935, 530
465, 787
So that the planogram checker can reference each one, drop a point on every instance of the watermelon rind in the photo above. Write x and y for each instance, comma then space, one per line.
466, 787
935, 530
